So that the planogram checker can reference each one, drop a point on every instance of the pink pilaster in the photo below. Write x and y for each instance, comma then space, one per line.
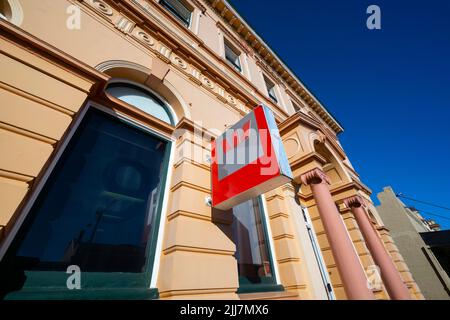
347, 261
394, 284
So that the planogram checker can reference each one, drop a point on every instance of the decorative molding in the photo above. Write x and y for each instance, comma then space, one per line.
27, 133
337, 190
311, 121
101, 7
306, 159
383, 228
244, 47
199, 5
321, 137
314, 176
347, 166
51, 54
332, 139
268, 71
39, 100
16, 176
111, 64
295, 120
16, 12
176, 293
195, 128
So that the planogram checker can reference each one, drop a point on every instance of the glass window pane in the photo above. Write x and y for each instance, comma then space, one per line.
271, 89
98, 207
5, 10
252, 252
140, 99
179, 10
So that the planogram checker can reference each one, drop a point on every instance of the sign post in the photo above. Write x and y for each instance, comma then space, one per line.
248, 159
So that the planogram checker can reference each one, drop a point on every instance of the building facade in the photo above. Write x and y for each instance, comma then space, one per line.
108, 109
424, 248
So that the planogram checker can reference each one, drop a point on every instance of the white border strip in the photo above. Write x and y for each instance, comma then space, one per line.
319, 256
271, 243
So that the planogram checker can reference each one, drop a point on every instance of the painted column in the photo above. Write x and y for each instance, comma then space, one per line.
394, 284
350, 269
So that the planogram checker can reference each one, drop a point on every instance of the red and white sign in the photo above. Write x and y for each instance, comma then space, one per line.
248, 159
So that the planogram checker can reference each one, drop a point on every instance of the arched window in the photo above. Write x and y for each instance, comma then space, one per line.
253, 255
141, 99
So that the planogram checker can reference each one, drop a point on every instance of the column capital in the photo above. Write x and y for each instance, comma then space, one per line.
355, 201
314, 176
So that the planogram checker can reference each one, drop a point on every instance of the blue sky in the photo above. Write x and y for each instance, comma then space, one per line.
389, 88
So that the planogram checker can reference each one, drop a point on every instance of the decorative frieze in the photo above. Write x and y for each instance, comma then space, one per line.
315, 176
101, 7
124, 25
164, 51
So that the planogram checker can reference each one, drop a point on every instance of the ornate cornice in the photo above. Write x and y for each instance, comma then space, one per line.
263, 51
306, 159
199, 5
355, 201
139, 115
